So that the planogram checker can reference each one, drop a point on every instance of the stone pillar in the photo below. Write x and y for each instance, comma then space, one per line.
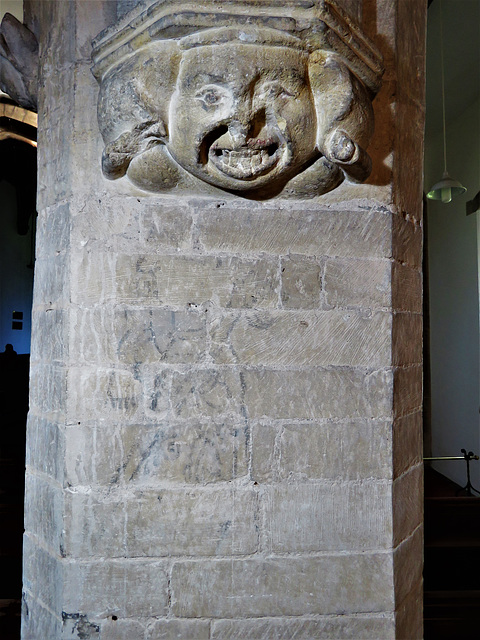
224, 436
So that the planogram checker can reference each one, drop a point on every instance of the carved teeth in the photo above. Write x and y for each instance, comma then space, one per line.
243, 163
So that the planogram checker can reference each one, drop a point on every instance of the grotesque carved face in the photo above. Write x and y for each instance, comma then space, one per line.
242, 116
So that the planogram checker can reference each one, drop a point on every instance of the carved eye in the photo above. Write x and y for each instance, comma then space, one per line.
211, 96
276, 90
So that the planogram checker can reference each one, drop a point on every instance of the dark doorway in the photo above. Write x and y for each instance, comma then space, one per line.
17, 237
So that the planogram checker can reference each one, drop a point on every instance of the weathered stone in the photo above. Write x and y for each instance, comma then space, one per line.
407, 569
282, 586
94, 524
116, 587
121, 629
407, 497
42, 570
38, 621
407, 241
301, 282
407, 389
178, 630
303, 231
342, 627
317, 393
358, 283
132, 336
192, 522
407, 338
321, 338
197, 392
47, 446
44, 508
328, 516
191, 452
406, 288
321, 450
407, 442
110, 392
192, 281
47, 390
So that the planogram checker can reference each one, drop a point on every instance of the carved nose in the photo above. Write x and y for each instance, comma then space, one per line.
238, 131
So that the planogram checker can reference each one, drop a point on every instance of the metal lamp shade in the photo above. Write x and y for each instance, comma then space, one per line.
445, 189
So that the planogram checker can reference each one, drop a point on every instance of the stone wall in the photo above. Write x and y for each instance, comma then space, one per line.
224, 431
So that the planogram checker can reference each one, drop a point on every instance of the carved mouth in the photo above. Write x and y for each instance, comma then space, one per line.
246, 162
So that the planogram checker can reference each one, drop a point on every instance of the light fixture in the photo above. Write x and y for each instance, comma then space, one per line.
446, 188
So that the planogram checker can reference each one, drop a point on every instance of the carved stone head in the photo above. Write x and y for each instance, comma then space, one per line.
245, 102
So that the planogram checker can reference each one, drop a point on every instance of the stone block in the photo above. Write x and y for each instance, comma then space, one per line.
193, 393
94, 524
197, 522
358, 283
408, 567
120, 587
122, 629
116, 228
38, 621
317, 393
281, 231
181, 281
93, 273
110, 392
301, 282
286, 586
166, 227
191, 452
329, 516
50, 337
409, 618
342, 627
47, 390
406, 288
42, 574
407, 503
407, 442
303, 338
45, 447
44, 506
132, 336
53, 231
407, 338
349, 450
178, 630
51, 283
407, 389
407, 241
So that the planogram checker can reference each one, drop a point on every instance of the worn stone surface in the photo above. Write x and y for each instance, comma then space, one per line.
334, 516
346, 450
342, 627
178, 629
106, 587
317, 393
189, 452
282, 586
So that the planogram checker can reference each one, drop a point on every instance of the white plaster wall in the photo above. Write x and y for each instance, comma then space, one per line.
454, 306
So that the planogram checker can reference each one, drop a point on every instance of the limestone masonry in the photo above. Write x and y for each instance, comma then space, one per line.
224, 437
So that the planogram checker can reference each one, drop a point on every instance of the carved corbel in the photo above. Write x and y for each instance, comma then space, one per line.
252, 98
19, 62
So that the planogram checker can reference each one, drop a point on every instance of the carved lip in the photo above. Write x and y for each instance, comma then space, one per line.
246, 162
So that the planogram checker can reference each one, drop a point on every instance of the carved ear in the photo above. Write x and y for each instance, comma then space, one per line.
133, 105
118, 154
344, 115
